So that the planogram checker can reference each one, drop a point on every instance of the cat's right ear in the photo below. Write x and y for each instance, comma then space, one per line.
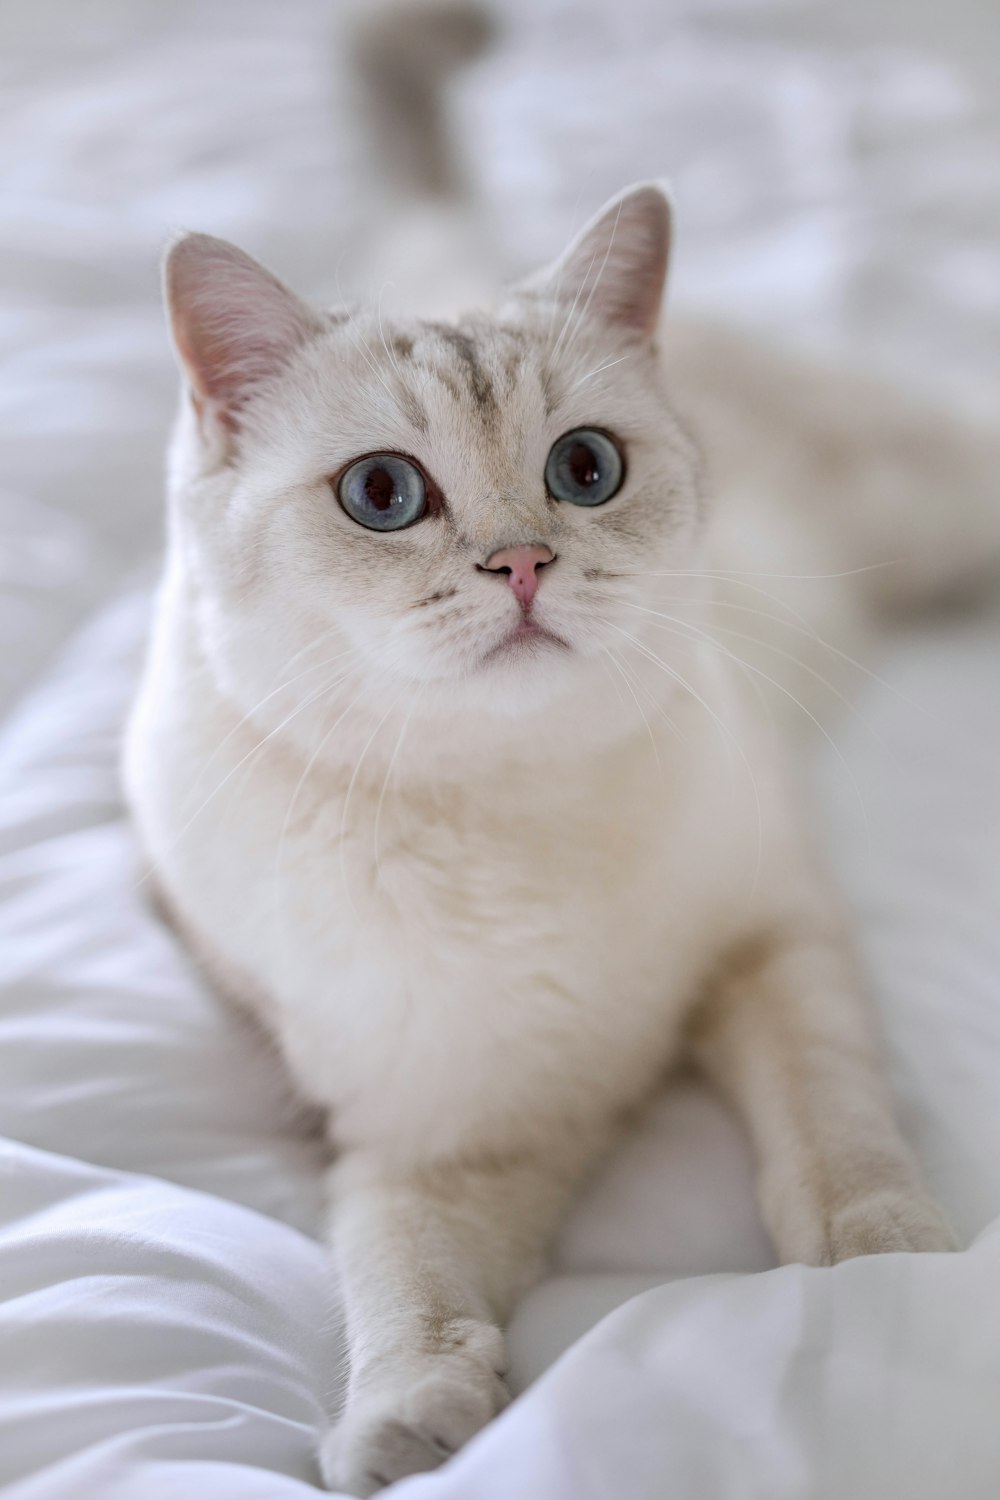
615, 270
234, 325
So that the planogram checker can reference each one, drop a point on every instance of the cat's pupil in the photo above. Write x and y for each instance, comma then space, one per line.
380, 489
583, 465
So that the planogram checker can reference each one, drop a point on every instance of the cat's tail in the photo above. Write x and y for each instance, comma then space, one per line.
899, 488
443, 253
405, 53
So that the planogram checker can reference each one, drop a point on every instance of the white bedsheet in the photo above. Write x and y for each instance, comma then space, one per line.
165, 1325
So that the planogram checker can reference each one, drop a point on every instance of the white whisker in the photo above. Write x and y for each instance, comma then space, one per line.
569, 315
655, 703
581, 319
754, 573
385, 787
342, 840
649, 728
324, 740
381, 332
724, 730
801, 626
593, 287
767, 646
282, 687
254, 750
746, 666
559, 276
591, 373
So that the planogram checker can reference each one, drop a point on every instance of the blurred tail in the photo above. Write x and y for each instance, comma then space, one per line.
905, 488
405, 53
442, 254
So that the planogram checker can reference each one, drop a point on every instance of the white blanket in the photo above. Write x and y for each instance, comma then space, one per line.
166, 1327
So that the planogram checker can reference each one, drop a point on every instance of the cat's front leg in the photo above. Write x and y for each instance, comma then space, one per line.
429, 1262
787, 1033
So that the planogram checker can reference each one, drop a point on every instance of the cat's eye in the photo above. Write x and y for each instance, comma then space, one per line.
383, 491
584, 467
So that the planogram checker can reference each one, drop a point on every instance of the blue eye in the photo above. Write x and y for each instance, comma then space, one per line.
383, 492
584, 467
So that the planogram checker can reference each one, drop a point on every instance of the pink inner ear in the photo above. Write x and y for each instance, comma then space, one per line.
233, 323
616, 268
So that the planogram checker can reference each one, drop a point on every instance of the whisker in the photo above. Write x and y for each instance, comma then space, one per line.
381, 333
286, 824
367, 355
591, 373
559, 276
385, 785
569, 315
597, 279
606, 650
590, 295
801, 626
342, 840
282, 686
715, 578
753, 573
642, 712
654, 703
254, 750
768, 646
758, 690
749, 667
724, 730
364, 349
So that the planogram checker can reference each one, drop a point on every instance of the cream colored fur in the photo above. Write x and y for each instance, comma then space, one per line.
484, 901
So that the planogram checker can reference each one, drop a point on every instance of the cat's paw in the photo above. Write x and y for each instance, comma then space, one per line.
410, 1421
884, 1222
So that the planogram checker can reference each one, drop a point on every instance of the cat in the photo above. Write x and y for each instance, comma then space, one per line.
441, 770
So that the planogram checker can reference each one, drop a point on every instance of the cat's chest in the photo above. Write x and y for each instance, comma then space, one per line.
450, 955
411, 888
449, 960
411, 1009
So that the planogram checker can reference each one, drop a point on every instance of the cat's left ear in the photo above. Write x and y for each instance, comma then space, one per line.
234, 325
615, 270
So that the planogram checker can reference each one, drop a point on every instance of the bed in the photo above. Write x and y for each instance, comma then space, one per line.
166, 1323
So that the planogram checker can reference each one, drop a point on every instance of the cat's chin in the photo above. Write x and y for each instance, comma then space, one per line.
524, 642
525, 678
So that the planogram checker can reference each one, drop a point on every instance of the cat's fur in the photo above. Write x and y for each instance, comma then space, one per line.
483, 895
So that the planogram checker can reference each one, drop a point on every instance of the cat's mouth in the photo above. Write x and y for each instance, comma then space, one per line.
527, 638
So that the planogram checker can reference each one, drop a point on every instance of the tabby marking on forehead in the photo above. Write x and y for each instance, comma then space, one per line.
472, 365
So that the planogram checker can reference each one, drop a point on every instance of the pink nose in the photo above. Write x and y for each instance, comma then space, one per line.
521, 565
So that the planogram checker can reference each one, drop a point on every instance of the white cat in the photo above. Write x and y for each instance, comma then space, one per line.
441, 770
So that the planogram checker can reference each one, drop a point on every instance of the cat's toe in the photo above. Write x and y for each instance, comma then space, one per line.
888, 1222
408, 1429
361, 1458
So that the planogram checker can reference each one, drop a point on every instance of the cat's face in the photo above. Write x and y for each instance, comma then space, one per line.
465, 514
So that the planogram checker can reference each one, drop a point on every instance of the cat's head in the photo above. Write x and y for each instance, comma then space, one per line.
471, 515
